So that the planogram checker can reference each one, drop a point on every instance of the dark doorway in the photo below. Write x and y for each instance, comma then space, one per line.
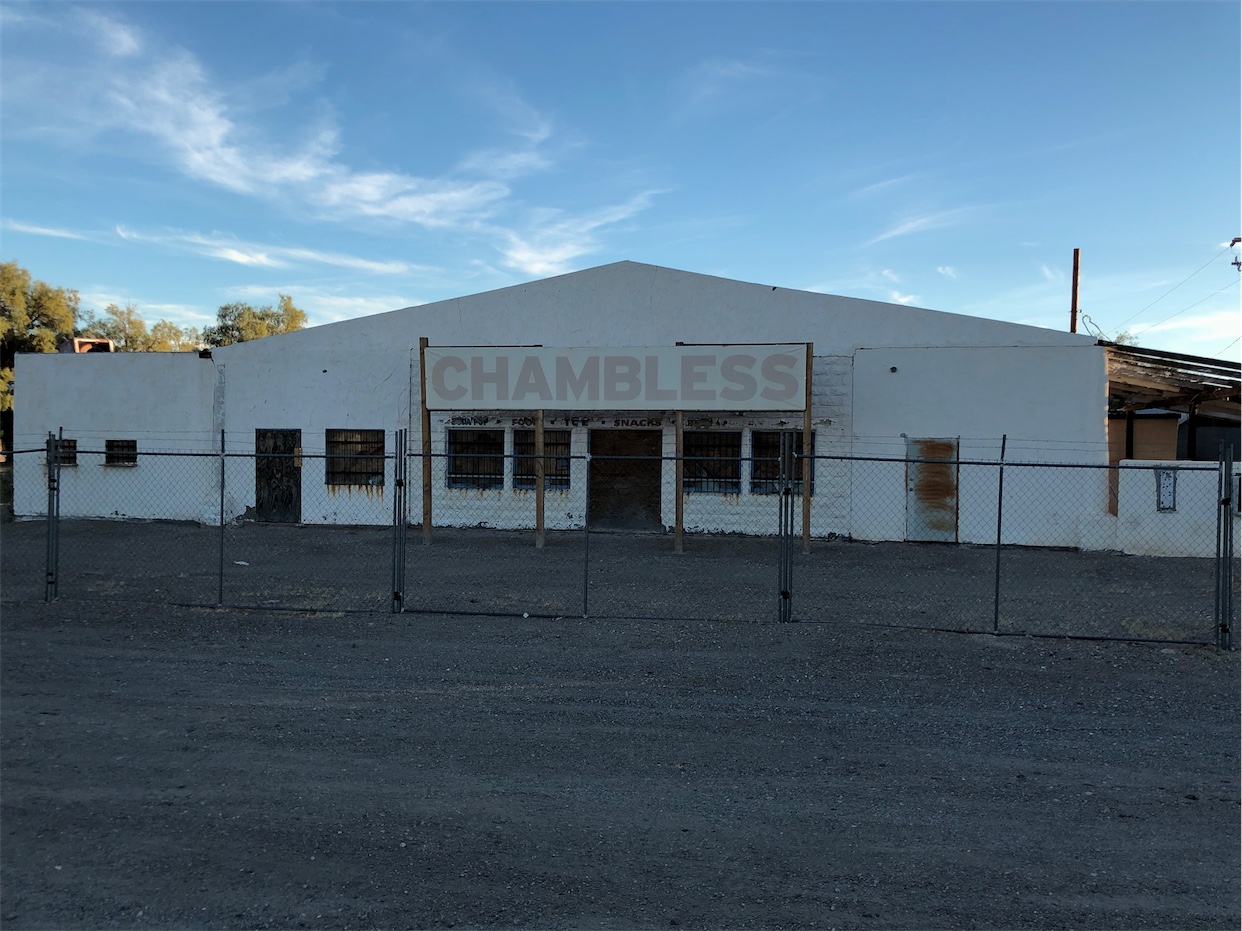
278, 476
625, 493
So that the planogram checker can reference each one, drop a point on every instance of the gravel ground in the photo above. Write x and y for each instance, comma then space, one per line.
174, 767
1054, 592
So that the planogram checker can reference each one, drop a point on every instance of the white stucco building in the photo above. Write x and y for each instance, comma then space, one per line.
887, 381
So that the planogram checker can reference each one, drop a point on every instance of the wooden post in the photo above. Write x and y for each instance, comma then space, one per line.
1074, 297
679, 484
539, 480
426, 418
807, 449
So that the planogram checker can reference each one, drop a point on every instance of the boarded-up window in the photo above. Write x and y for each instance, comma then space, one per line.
765, 473
120, 452
67, 452
555, 454
355, 457
712, 462
476, 458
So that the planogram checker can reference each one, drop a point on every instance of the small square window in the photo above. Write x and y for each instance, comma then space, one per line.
712, 462
120, 452
66, 452
476, 458
765, 473
555, 455
355, 457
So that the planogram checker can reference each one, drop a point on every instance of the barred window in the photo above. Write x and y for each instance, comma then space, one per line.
765, 473
476, 458
712, 462
120, 452
354, 457
556, 458
67, 452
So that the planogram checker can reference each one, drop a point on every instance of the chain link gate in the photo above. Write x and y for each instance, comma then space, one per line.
788, 468
1226, 568
52, 575
400, 519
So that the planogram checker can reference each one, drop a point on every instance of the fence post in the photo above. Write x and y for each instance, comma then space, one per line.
586, 536
220, 572
52, 562
1000, 510
785, 603
398, 522
1223, 614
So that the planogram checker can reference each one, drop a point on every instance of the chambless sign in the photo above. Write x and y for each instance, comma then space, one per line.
690, 378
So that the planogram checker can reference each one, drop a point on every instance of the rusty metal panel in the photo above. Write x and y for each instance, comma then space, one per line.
278, 476
931, 490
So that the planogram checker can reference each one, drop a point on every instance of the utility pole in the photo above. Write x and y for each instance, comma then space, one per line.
1074, 297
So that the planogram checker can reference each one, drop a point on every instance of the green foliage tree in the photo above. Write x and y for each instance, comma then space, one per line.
238, 322
34, 317
128, 331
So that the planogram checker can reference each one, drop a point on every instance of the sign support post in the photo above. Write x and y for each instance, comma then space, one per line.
426, 418
807, 451
679, 483
539, 481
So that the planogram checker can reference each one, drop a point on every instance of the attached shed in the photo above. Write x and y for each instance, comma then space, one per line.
887, 383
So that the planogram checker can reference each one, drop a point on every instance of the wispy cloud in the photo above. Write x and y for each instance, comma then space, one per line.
258, 255
767, 78
557, 239
920, 223
891, 275
898, 298
948, 271
55, 232
881, 186
113, 36
1051, 274
180, 314
154, 92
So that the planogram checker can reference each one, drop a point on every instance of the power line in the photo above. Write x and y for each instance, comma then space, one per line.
1184, 309
1226, 349
1175, 287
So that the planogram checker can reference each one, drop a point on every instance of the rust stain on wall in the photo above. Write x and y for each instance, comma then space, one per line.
934, 484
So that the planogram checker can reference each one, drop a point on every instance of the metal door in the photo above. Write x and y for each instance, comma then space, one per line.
931, 490
278, 476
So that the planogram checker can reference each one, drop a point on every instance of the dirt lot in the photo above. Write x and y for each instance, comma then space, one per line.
194, 768
1061, 593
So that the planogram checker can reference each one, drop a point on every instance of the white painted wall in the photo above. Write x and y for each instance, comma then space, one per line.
315, 390
161, 400
956, 376
1051, 402
1142, 529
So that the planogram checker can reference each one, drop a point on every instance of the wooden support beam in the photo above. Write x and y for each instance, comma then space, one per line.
806, 452
539, 481
1195, 398
679, 483
426, 423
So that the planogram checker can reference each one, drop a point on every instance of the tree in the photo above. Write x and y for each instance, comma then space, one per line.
34, 317
128, 331
238, 322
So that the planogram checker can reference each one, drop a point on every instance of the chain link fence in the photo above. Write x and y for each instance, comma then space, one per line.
930, 540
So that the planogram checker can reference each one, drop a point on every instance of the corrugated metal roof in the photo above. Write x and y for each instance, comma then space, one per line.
1142, 379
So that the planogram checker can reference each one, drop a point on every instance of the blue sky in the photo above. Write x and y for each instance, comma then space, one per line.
363, 157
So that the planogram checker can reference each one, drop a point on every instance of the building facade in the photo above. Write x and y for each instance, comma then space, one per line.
890, 387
